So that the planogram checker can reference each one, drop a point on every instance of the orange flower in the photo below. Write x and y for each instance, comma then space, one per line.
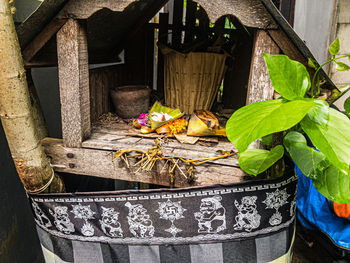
174, 127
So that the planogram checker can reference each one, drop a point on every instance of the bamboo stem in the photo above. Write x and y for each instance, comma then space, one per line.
16, 114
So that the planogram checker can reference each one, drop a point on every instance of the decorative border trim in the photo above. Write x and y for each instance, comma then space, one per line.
170, 240
139, 197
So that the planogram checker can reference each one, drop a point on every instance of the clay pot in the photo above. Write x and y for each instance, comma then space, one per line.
130, 101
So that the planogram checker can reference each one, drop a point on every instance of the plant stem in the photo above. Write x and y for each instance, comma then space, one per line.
318, 70
277, 170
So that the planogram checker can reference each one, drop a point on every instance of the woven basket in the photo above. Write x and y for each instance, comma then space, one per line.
191, 81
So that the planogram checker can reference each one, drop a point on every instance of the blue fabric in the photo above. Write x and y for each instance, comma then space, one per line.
314, 208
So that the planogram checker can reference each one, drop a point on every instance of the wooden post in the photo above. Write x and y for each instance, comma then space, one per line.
163, 38
17, 114
191, 9
259, 85
73, 71
287, 8
177, 23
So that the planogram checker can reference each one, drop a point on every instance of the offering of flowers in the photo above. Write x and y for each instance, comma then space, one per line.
161, 117
142, 120
173, 127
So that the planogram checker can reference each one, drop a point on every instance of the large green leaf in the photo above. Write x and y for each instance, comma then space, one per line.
289, 78
333, 139
259, 119
319, 113
334, 185
310, 161
327, 178
256, 161
347, 105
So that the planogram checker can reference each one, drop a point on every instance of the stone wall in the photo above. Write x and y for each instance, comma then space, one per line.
342, 78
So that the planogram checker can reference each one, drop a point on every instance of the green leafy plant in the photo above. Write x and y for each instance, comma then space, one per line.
347, 106
297, 113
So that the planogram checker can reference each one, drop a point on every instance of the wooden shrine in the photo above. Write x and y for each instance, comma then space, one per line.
79, 33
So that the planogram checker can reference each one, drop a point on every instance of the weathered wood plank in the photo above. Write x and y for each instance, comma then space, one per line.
73, 69
99, 86
259, 85
99, 163
42, 38
123, 130
251, 13
172, 148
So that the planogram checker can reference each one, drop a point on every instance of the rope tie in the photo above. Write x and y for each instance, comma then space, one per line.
43, 188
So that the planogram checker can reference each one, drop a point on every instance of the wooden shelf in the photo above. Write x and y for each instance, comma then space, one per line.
95, 158
122, 136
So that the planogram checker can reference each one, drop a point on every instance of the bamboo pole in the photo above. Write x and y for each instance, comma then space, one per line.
16, 114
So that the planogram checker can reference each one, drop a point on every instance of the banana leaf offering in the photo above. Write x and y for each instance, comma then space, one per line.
160, 115
204, 123
158, 119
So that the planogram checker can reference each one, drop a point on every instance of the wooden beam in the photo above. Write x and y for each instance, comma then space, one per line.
259, 85
145, 16
286, 45
288, 48
99, 163
73, 69
42, 38
83, 9
251, 13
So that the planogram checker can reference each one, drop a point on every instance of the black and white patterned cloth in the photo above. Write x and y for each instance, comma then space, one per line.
247, 222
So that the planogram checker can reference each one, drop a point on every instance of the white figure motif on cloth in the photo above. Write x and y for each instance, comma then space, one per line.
293, 207
275, 200
62, 221
85, 213
140, 224
211, 217
171, 211
248, 217
41, 218
109, 223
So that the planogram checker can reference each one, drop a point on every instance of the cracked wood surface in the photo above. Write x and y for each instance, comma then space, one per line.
99, 163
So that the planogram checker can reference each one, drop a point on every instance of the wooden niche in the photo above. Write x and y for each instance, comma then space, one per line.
89, 145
